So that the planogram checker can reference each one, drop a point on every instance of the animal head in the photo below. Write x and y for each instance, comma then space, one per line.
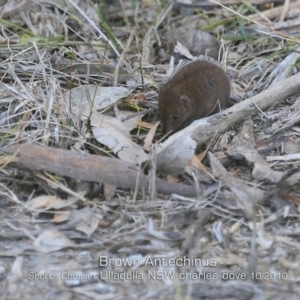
175, 110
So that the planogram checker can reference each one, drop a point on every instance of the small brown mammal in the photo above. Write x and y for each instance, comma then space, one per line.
196, 90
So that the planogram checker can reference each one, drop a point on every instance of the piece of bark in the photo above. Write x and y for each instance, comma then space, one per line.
89, 167
243, 148
247, 196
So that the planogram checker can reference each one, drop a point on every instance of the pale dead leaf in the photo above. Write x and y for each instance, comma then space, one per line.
88, 97
51, 240
130, 123
103, 223
112, 133
183, 51
89, 222
291, 265
49, 202
16, 269
235, 227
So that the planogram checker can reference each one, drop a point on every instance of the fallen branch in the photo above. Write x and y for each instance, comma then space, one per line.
89, 167
225, 119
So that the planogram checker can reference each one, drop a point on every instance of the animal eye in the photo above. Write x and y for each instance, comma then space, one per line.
175, 117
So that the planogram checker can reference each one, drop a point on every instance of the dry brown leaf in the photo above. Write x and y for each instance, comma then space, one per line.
201, 155
235, 172
194, 161
60, 217
172, 179
141, 96
291, 198
48, 202
149, 138
109, 191
146, 125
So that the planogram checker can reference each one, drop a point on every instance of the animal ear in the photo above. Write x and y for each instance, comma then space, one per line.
185, 101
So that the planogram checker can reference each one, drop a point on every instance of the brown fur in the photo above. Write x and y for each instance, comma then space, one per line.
196, 90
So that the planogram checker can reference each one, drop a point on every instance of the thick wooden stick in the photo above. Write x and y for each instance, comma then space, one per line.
92, 168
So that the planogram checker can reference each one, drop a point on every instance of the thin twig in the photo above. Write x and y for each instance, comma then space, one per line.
121, 58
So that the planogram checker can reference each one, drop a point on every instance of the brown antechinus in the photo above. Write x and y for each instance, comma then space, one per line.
196, 90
